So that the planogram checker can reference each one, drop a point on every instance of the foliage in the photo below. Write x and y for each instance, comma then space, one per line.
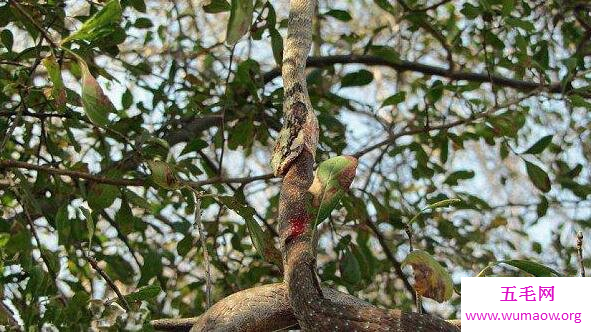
114, 114
431, 279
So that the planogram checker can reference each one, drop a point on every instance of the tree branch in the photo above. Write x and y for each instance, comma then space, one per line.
262, 308
390, 256
44, 33
404, 65
125, 182
392, 139
253, 310
106, 277
580, 253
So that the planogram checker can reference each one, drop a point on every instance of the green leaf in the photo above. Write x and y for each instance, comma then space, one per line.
7, 39
19, 243
58, 91
518, 23
492, 39
127, 99
578, 101
542, 207
431, 279
531, 267
471, 11
95, 103
163, 175
145, 293
386, 5
332, 180
276, 45
350, 268
538, 177
385, 52
395, 99
138, 5
152, 266
125, 218
101, 24
541, 56
443, 203
540, 145
435, 92
143, 23
262, 241
217, 6
432, 206
366, 260
101, 196
340, 15
359, 78
240, 20
508, 6
4, 237
453, 178
89, 225
185, 245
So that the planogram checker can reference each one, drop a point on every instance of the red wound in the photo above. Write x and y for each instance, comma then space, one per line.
298, 226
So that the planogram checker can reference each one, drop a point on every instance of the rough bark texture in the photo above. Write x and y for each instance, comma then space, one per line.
263, 308
248, 311
313, 311
293, 157
233, 312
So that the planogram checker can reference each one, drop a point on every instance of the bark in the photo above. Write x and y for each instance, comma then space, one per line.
270, 300
263, 308
293, 158
404, 66
313, 310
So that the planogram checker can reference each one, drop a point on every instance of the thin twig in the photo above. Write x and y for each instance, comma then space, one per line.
12, 126
203, 241
121, 236
31, 224
405, 65
392, 139
223, 117
204, 247
35, 23
580, 253
390, 256
9, 315
433, 6
107, 279
126, 182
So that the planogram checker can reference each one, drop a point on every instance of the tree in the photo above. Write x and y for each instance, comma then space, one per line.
134, 170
